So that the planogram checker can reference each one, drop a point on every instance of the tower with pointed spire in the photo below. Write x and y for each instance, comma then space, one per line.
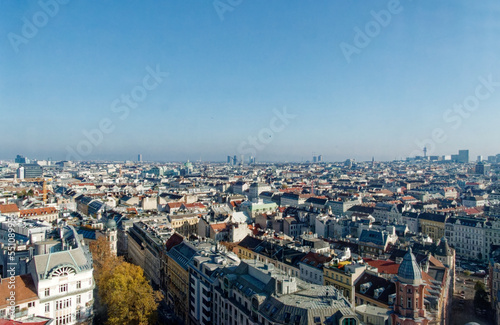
409, 305
444, 253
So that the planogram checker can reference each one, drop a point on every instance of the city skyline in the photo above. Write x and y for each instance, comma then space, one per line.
462, 156
278, 81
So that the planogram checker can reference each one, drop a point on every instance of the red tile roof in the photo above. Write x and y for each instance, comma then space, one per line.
386, 267
37, 212
173, 205
25, 290
434, 261
174, 240
8, 208
217, 227
390, 267
315, 259
194, 205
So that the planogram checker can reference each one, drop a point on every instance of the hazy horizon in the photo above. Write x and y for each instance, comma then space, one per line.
280, 81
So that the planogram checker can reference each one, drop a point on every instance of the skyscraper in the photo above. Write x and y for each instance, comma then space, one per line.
22, 160
463, 156
139, 157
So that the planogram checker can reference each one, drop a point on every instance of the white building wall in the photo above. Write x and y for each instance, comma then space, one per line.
311, 274
69, 298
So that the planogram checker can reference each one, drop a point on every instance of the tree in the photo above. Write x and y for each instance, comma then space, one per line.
129, 296
124, 294
479, 285
481, 296
104, 260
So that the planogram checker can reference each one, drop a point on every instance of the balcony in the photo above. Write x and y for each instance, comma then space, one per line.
21, 313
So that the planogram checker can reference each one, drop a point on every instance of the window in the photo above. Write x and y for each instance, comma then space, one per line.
78, 314
78, 284
64, 303
349, 321
78, 299
47, 307
63, 320
63, 288
31, 304
47, 292
409, 303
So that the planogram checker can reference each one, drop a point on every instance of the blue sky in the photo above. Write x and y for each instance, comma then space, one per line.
229, 71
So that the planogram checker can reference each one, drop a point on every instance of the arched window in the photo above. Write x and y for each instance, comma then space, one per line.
62, 271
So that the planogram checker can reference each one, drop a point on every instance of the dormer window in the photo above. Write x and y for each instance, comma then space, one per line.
392, 299
378, 292
365, 287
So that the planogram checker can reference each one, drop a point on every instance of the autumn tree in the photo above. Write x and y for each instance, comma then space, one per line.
104, 260
129, 296
124, 294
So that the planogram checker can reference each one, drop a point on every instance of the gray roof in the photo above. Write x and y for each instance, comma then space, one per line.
409, 269
182, 254
76, 256
379, 238
310, 303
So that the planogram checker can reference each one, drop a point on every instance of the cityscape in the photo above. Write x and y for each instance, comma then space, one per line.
233, 162
349, 242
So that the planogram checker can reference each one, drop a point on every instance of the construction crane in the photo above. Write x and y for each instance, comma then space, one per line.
44, 185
